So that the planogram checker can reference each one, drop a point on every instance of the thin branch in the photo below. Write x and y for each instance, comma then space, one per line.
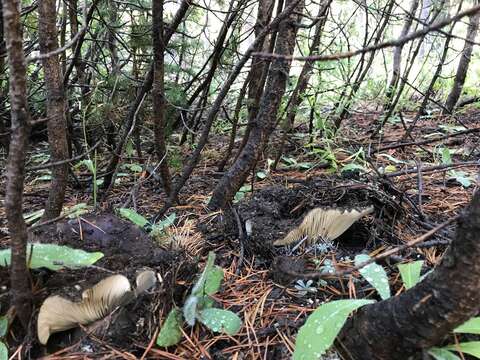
391, 43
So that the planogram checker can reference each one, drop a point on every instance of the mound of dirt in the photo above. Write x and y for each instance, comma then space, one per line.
273, 211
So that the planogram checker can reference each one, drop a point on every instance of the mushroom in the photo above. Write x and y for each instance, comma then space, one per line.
325, 224
60, 314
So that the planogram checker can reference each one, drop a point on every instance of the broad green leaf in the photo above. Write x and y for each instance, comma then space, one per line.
352, 167
3, 326
199, 287
442, 354
261, 174
165, 223
469, 347
375, 275
219, 320
170, 333
54, 257
246, 188
213, 280
322, 327
133, 216
446, 156
472, 326
3, 351
410, 273
239, 196
190, 309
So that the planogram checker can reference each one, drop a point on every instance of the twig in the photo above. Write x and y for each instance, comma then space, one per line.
241, 239
61, 162
367, 49
423, 142
433, 168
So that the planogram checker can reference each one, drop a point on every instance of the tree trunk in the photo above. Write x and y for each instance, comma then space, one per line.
463, 64
259, 67
303, 79
423, 316
56, 107
4, 138
146, 86
397, 55
158, 94
265, 120
436, 75
213, 111
20, 285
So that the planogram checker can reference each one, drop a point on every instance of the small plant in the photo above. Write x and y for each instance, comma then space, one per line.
241, 193
304, 288
199, 307
141, 221
92, 167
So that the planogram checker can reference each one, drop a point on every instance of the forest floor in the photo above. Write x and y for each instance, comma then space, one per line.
258, 284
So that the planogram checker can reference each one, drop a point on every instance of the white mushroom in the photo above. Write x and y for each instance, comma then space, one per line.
59, 314
325, 224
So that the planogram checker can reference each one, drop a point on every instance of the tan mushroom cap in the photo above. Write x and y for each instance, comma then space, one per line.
59, 314
325, 224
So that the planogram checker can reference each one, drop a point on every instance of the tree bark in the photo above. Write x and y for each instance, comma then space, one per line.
4, 138
265, 120
146, 86
20, 285
397, 55
212, 113
259, 67
463, 64
436, 75
423, 316
56, 107
297, 96
158, 94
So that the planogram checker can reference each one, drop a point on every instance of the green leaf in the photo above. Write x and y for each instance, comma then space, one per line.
3, 351
442, 354
410, 273
352, 167
133, 216
3, 326
446, 156
170, 333
472, 326
190, 309
322, 327
54, 257
219, 320
375, 275
246, 188
199, 287
213, 280
165, 223
261, 174
469, 347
